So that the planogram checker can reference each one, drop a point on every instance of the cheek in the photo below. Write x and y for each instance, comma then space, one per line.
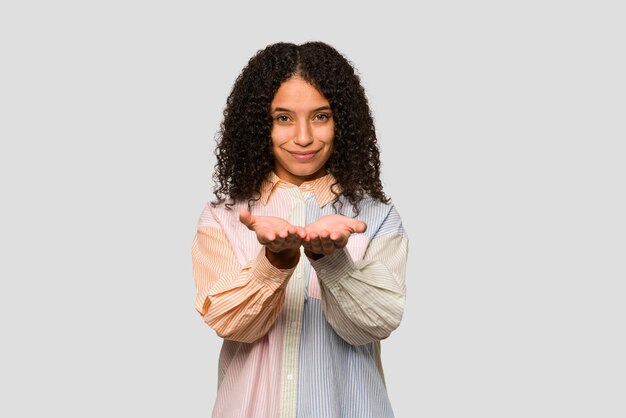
327, 135
279, 136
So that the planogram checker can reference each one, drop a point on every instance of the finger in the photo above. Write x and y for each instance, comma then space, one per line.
341, 241
328, 246
266, 238
359, 226
273, 247
293, 241
296, 232
276, 245
246, 218
316, 246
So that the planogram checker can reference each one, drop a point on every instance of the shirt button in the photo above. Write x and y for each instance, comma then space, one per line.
289, 377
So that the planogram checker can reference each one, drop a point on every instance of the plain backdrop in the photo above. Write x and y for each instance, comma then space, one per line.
501, 129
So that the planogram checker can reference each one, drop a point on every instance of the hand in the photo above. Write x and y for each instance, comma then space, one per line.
274, 233
330, 233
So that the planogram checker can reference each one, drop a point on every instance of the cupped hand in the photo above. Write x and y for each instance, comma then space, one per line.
330, 233
276, 234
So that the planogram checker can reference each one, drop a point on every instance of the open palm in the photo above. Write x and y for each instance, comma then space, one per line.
274, 233
330, 233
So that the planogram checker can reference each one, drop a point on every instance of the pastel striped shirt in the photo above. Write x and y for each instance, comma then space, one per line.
305, 341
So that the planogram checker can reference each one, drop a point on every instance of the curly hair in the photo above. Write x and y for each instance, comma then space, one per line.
244, 152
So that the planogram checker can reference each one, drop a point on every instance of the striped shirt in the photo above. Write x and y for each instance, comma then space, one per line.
305, 341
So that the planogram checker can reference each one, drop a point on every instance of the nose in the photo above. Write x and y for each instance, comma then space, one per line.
303, 135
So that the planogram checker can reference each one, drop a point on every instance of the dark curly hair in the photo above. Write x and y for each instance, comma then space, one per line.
244, 152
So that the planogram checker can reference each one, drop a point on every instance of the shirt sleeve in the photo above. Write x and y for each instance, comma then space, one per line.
364, 301
240, 302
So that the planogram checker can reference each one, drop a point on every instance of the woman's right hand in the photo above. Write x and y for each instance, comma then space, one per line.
281, 239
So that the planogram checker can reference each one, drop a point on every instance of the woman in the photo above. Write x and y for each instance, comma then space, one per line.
299, 263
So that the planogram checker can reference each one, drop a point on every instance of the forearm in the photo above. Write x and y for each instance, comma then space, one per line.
239, 302
363, 301
244, 314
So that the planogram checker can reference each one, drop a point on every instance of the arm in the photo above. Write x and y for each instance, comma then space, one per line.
364, 301
240, 302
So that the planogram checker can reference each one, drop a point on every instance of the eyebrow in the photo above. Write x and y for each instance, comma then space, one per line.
283, 109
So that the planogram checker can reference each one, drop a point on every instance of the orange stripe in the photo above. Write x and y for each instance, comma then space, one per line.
239, 302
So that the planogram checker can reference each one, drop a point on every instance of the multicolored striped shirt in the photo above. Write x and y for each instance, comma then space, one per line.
305, 341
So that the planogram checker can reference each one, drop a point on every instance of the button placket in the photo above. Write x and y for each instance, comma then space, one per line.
294, 311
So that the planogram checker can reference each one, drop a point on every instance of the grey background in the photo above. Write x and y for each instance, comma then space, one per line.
501, 127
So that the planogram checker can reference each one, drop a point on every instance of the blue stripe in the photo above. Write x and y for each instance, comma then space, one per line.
336, 379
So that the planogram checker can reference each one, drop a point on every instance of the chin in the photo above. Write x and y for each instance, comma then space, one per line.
306, 173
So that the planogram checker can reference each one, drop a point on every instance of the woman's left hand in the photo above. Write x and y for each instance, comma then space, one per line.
330, 233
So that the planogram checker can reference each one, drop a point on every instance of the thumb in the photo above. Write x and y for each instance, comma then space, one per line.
246, 218
359, 226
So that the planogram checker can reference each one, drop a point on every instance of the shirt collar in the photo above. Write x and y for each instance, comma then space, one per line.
320, 187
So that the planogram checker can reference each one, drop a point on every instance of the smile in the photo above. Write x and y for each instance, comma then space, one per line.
303, 156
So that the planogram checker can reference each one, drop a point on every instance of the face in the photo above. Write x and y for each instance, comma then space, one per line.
303, 130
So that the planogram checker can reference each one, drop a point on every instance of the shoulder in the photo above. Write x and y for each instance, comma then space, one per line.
217, 215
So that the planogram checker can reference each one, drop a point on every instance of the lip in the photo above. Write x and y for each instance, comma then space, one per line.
303, 155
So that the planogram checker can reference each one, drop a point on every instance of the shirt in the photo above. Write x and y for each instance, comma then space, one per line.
305, 341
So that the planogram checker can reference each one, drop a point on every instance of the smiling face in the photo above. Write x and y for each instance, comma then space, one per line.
303, 130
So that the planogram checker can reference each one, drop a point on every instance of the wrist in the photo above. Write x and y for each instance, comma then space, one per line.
285, 259
313, 256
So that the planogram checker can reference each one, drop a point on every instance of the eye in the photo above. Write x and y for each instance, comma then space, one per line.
322, 117
282, 118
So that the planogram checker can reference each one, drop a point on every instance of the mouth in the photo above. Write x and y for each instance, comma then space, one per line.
303, 155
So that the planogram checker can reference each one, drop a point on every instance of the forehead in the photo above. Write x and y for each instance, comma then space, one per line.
296, 92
